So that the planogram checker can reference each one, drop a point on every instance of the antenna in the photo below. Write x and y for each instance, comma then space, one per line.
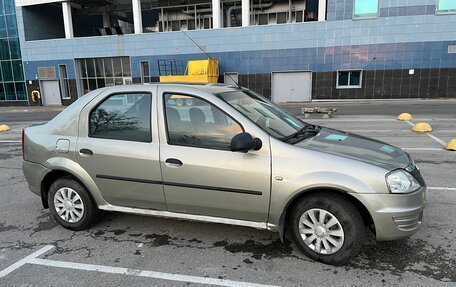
212, 59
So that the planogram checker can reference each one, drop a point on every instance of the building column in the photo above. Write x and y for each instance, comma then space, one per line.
322, 10
245, 13
137, 16
67, 20
216, 23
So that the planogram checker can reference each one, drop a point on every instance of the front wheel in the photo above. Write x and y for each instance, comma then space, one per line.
71, 205
327, 228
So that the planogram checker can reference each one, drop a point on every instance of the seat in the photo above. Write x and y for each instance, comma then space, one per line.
197, 118
174, 120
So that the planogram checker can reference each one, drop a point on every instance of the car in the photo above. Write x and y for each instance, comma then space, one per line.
231, 157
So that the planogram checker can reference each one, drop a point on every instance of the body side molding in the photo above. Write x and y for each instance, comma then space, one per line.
176, 184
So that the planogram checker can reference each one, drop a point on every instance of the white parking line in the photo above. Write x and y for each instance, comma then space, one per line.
430, 135
26, 260
437, 139
442, 188
10, 141
32, 259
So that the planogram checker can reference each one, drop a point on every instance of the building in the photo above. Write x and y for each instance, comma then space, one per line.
289, 50
12, 84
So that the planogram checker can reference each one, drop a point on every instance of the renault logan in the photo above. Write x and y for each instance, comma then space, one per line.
228, 156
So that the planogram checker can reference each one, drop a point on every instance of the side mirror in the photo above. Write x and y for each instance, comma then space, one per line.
244, 142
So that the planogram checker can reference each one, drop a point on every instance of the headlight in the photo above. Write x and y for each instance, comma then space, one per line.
400, 181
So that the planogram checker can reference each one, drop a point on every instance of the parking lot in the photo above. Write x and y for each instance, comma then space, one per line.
144, 251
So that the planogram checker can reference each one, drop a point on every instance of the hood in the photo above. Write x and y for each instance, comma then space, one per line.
357, 147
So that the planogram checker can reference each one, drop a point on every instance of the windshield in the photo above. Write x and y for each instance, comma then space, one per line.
275, 121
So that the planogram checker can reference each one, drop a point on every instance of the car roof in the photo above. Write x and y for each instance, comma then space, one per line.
214, 88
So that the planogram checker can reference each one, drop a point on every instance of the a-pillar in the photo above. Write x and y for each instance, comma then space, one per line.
67, 20
245, 13
137, 16
216, 14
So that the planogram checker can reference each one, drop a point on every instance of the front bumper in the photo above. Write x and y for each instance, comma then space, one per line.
34, 174
395, 216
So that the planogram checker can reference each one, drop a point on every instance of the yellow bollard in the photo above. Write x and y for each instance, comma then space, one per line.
422, 128
404, 117
451, 145
4, 128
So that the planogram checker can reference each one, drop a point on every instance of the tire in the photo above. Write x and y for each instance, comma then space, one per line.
81, 203
348, 222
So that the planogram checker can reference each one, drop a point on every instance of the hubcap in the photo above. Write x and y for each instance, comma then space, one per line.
321, 231
69, 205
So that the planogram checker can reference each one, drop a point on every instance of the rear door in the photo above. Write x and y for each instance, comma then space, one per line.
118, 147
200, 174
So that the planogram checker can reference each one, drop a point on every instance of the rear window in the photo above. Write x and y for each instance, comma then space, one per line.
122, 117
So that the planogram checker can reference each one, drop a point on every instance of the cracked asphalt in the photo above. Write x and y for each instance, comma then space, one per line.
427, 258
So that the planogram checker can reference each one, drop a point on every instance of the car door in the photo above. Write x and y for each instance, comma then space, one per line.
118, 147
200, 174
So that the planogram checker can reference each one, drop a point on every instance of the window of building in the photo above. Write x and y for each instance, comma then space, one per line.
12, 84
145, 72
194, 122
446, 6
365, 9
122, 117
349, 79
47, 72
95, 73
64, 82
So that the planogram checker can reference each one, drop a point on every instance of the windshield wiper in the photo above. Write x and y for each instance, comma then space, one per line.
307, 131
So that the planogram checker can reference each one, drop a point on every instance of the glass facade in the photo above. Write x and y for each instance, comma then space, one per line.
12, 84
365, 9
95, 73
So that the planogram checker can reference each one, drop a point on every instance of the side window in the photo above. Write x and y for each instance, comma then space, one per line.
194, 122
122, 117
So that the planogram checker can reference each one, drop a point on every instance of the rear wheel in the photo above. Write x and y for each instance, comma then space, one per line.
327, 228
71, 205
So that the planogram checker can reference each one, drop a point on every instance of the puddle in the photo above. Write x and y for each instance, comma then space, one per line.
415, 256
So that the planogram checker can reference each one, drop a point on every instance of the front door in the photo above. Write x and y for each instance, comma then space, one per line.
118, 147
200, 173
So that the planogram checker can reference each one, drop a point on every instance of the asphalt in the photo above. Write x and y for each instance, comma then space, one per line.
358, 108
240, 254
20, 114
382, 108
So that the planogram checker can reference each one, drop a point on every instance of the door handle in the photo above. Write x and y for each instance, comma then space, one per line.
173, 162
85, 152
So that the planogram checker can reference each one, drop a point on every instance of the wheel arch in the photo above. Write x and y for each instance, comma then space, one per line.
54, 175
283, 220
